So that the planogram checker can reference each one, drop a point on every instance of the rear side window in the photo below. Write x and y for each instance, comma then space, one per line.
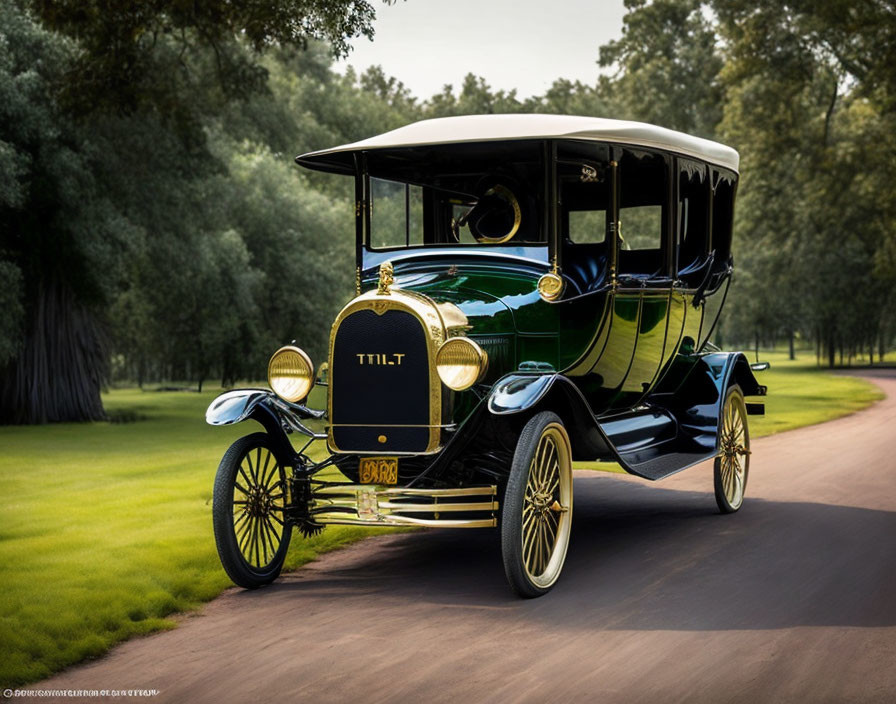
643, 212
693, 214
723, 187
643, 195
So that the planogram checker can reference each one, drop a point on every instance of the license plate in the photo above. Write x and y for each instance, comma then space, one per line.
379, 470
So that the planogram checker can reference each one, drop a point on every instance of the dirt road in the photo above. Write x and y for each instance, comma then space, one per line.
661, 600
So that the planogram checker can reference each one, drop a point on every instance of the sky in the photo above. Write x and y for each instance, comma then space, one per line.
522, 44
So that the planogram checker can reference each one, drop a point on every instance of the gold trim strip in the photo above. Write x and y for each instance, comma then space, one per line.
406, 521
378, 505
429, 508
393, 491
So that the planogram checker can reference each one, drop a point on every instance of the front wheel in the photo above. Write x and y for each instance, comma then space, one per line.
732, 463
248, 510
537, 507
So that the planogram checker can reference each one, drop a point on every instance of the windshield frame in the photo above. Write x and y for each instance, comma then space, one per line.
368, 256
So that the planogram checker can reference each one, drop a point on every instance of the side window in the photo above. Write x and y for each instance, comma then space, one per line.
396, 214
587, 226
583, 182
643, 208
642, 227
724, 183
693, 214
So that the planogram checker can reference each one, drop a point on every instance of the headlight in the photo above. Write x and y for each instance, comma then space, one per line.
461, 363
290, 373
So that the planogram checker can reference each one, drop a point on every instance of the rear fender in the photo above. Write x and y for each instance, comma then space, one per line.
697, 399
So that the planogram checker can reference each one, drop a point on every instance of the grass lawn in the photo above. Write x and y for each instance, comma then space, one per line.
800, 394
106, 528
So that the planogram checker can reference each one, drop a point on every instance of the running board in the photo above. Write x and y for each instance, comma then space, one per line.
652, 444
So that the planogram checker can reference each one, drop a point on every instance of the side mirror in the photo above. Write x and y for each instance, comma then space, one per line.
760, 366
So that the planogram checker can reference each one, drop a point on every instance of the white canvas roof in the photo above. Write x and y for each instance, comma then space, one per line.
486, 128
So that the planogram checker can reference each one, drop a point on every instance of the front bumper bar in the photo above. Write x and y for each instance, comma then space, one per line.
370, 505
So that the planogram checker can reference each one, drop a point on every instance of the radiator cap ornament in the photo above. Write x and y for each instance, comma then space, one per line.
386, 279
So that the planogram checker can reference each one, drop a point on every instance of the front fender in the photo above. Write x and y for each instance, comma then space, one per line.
518, 392
235, 406
277, 417
521, 392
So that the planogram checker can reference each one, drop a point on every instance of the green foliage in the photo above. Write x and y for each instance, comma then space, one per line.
817, 213
60, 235
667, 64
141, 229
308, 273
160, 55
475, 98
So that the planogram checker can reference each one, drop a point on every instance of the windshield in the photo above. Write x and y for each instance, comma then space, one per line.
469, 195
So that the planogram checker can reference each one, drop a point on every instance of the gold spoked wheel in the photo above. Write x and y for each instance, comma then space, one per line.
732, 463
537, 516
249, 512
258, 495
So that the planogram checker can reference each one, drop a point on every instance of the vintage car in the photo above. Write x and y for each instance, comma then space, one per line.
532, 290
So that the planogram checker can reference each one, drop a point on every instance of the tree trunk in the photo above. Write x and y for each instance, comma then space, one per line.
792, 353
62, 366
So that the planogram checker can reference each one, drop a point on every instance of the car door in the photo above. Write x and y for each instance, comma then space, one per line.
644, 297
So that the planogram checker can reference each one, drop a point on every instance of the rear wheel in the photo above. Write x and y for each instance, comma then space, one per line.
251, 532
537, 507
732, 463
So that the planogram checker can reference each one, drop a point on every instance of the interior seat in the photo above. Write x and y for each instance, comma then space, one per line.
585, 265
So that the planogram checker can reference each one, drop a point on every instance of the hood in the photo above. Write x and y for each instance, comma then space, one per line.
489, 299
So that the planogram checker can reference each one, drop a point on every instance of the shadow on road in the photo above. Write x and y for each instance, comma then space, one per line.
646, 558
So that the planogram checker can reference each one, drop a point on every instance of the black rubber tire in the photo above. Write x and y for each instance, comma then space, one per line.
513, 507
736, 396
235, 565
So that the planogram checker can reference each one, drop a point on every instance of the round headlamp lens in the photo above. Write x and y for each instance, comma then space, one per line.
290, 373
461, 363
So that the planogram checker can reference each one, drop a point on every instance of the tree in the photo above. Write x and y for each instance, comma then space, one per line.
667, 64
81, 88
815, 132
156, 54
60, 238
474, 98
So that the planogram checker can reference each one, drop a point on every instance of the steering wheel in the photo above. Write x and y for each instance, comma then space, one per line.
496, 216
